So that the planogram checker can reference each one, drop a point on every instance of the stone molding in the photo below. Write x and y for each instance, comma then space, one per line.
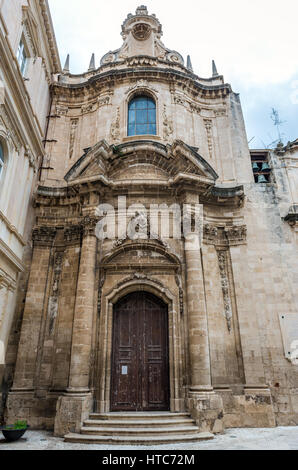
73, 233
223, 270
74, 112
141, 85
207, 112
6, 281
88, 225
12, 229
157, 70
44, 235
224, 236
55, 290
51, 43
168, 125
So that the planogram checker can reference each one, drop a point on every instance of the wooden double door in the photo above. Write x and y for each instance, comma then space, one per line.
140, 354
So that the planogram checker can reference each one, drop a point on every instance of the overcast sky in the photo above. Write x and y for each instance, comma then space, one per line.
254, 44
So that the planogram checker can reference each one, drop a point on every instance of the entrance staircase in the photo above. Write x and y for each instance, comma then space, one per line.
138, 429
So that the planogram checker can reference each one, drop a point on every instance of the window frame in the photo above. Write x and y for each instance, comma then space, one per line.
22, 56
130, 101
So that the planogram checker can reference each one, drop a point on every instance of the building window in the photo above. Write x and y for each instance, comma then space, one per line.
141, 116
22, 57
260, 166
1, 160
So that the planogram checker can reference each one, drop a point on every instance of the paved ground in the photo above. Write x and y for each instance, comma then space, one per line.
281, 438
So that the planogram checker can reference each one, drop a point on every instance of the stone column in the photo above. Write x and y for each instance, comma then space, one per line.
21, 402
205, 406
200, 376
75, 405
83, 313
24, 377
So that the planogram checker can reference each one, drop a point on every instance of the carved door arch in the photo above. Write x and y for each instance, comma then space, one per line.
140, 354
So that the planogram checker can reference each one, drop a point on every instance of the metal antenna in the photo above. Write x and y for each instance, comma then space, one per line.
277, 122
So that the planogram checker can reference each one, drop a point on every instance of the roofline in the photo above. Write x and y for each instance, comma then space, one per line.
44, 8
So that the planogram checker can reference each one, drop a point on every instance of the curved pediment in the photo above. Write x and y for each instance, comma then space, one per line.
142, 161
141, 253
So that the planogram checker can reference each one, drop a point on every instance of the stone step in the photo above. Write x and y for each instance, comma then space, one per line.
137, 415
139, 422
134, 440
137, 431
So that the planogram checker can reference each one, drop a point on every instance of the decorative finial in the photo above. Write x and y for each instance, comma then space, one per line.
66, 65
142, 10
214, 70
92, 63
189, 64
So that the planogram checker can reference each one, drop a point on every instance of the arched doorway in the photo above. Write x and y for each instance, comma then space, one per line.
140, 354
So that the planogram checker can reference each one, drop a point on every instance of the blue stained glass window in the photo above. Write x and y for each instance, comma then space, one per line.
141, 116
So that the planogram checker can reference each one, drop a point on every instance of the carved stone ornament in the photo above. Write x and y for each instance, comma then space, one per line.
179, 284
139, 276
73, 233
141, 31
175, 57
236, 234
100, 286
103, 101
61, 110
225, 236
44, 235
115, 127
210, 232
141, 84
168, 127
6, 282
208, 126
11, 130
72, 135
54, 295
223, 269
89, 225
89, 107
31, 158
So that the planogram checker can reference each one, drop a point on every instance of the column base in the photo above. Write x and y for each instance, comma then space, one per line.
206, 407
72, 409
24, 404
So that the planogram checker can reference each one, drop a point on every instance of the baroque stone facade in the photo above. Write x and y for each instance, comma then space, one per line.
223, 286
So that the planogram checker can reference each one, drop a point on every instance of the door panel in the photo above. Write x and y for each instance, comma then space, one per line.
140, 375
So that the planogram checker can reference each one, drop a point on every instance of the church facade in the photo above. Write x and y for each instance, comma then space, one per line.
163, 275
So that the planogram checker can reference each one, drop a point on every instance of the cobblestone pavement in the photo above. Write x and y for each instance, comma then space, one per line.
280, 438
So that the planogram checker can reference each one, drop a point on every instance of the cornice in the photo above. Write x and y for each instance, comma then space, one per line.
111, 77
44, 10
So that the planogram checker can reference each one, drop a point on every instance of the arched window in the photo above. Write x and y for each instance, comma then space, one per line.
1, 160
141, 116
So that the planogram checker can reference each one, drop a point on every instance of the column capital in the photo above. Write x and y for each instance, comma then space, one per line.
89, 224
44, 235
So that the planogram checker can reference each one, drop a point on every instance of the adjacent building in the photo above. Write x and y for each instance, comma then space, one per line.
28, 60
